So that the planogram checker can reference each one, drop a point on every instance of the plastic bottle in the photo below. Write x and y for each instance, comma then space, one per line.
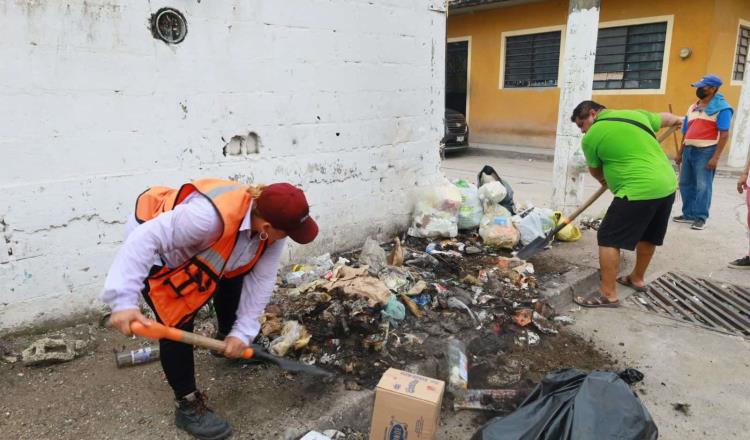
135, 357
458, 371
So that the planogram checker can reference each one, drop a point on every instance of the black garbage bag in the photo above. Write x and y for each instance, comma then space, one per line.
570, 404
488, 174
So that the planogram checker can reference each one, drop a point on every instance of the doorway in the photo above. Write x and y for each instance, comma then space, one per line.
457, 64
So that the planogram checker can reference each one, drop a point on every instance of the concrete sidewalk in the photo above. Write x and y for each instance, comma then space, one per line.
548, 154
682, 363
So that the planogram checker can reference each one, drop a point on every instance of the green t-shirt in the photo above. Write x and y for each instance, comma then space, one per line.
634, 164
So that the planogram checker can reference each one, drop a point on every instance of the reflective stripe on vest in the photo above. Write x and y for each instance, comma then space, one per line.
213, 260
177, 294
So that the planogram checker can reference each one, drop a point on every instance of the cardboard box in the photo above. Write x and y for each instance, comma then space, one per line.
407, 406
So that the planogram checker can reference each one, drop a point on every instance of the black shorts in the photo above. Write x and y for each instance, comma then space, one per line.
629, 221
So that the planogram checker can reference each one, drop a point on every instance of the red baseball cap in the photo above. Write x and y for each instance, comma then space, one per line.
285, 207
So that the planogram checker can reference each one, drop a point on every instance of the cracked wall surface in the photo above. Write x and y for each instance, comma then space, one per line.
346, 95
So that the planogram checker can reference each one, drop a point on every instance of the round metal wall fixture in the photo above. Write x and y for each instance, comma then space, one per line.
169, 25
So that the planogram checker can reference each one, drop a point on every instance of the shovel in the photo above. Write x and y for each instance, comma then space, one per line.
540, 243
159, 331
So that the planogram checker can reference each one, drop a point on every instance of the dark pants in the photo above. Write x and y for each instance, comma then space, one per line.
696, 182
177, 358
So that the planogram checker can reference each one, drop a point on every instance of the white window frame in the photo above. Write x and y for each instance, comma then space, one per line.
468, 70
665, 63
540, 30
742, 23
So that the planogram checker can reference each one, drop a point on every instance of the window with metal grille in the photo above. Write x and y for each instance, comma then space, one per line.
532, 60
740, 61
630, 57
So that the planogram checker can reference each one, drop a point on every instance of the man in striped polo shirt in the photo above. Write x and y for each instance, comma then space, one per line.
705, 133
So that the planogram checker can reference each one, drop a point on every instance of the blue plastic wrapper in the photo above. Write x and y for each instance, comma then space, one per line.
422, 300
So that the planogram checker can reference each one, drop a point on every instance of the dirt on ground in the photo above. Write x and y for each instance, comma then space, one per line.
91, 398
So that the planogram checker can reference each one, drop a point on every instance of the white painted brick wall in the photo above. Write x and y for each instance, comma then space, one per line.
346, 95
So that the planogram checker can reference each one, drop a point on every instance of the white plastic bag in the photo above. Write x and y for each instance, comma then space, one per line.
537, 223
372, 255
470, 212
492, 194
436, 213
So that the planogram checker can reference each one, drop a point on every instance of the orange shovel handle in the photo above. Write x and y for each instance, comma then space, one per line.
159, 331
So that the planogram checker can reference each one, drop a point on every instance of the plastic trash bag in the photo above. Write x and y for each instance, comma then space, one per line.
537, 223
488, 174
491, 194
372, 255
568, 233
436, 213
496, 228
394, 311
470, 211
571, 405
293, 335
529, 227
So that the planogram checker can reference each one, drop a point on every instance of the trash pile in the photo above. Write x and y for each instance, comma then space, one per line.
399, 304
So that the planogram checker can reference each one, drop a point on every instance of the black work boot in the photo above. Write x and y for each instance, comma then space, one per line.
199, 420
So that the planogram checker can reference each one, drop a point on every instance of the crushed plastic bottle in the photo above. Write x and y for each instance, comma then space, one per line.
458, 371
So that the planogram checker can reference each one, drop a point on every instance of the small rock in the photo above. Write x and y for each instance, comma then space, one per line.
47, 351
471, 250
11, 359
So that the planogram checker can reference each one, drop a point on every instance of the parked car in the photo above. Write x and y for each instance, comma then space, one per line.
456, 131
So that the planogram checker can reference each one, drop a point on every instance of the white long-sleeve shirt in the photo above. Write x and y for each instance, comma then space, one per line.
176, 236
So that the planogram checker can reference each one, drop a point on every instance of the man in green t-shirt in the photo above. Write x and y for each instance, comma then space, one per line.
622, 153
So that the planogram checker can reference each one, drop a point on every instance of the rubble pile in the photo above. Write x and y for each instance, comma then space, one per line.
351, 317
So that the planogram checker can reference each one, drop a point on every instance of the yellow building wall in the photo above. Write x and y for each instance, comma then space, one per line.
507, 116
529, 116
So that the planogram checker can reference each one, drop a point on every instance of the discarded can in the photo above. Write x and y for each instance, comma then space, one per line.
135, 357
458, 371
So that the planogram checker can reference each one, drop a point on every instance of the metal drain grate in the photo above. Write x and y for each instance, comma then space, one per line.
710, 304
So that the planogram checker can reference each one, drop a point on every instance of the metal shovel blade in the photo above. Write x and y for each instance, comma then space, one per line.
533, 248
540, 243
287, 364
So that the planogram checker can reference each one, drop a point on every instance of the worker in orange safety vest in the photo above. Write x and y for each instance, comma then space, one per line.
209, 239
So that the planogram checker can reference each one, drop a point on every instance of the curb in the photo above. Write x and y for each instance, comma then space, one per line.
509, 154
580, 280
353, 409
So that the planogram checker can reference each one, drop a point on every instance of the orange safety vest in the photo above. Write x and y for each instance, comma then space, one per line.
177, 294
